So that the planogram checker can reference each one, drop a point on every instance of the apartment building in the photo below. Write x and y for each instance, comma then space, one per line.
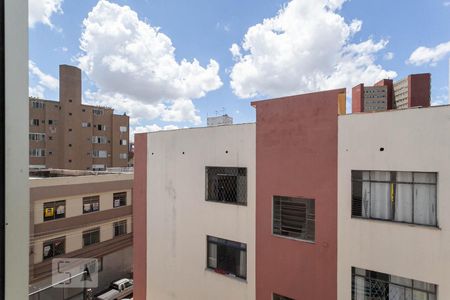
196, 191
209, 227
67, 134
393, 224
79, 215
412, 91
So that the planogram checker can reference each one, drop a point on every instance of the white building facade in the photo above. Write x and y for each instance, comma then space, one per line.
201, 213
393, 208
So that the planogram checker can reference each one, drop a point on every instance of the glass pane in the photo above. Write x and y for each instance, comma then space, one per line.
425, 204
403, 202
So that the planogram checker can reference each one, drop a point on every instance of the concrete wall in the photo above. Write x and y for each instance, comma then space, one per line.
16, 149
179, 218
413, 140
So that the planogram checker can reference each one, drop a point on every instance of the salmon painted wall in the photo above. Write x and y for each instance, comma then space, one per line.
296, 155
140, 217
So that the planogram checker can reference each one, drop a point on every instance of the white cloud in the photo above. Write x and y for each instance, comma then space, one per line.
388, 56
305, 47
447, 3
150, 128
131, 61
44, 81
41, 11
425, 55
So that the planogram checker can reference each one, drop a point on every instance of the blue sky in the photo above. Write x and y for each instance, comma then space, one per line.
383, 42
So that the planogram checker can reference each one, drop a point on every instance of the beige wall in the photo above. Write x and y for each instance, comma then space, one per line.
74, 238
413, 140
179, 218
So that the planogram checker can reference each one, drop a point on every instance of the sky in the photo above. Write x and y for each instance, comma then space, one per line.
172, 63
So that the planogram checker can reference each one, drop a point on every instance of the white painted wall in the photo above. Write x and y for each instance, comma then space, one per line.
414, 140
179, 218
16, 150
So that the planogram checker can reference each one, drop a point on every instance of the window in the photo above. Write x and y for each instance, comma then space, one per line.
97, 112
36, 136
226, 184
119, 199
408, 197
123, 142
294, 217
279, 297
54, 210
101, 127
120, 228
38, 104
99, 153
34, 122
123, 129
37, 152
98, 167
91, 204
227, 257
52, 122
85, 124
91, 237
123, 155
54, 248
99, 140
373, 285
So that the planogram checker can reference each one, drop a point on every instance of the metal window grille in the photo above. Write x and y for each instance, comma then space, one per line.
91, 237
226, 184
120, 228
54, 247
227, 257
294, 217
380, 286
400, 189
54, 210
279, 297
119, 199
91, 204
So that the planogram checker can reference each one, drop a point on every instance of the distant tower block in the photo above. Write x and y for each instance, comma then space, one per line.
220, 120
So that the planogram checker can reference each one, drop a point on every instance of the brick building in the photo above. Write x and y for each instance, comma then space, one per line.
70, 135
412, 91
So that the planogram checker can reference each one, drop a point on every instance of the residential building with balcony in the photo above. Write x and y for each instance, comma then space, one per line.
79, 215
67, 134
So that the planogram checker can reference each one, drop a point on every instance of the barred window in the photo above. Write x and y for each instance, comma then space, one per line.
91, 204
408, 197
54, 248
227, 257
91, 237
54, 210
38, 104
120, 228
99, 140
279, 297
226, 184
36, 136
123, 155
99, 153
119, 199
34, 122
374, 285
97, 112
294, 217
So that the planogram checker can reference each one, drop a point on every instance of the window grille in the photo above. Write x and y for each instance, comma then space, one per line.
226, 184
91, 204
54, 210
119, 199
54, 248
227, 257
407, 197
294, 217
120, 228
91, 237
374, 285
279, 297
